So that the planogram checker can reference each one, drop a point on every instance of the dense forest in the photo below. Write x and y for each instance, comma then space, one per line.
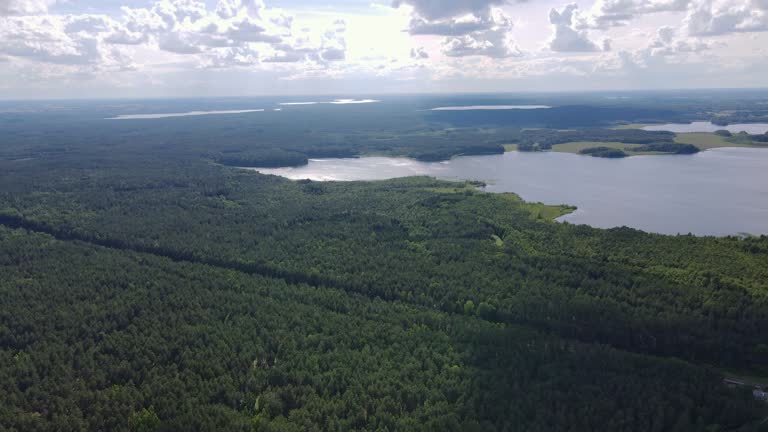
147, 287
745, 138
604, 152
105, 339
671, 148
544, 139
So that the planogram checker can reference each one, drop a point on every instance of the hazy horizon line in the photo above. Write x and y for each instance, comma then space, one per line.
356, 95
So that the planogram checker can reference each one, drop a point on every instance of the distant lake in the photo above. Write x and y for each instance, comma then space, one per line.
752, 128
243, 111
334, 102
184, 114
716, 192
490, 107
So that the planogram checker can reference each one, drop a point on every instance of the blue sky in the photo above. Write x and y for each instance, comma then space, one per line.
158, 48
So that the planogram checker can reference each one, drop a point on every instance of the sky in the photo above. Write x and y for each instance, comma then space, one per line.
191, 48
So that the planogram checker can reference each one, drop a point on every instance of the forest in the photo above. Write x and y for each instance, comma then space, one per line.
749, 139
147, 286
671, 148
604, 152
544, 139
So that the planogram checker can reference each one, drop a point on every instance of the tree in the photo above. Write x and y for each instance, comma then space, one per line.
469, 307
145, 420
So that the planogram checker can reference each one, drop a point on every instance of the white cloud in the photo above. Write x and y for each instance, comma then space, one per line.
419, 53
231, 8
450, 27
188, 27
180, 43
454, 17
703, 17
461, 44
233, 34
611, 13
434, 10
494, 43
249, 31
45, 39
667, 52
566, 37
470, 27
330, 46
227, 58
24, 7
666, 44
708, 18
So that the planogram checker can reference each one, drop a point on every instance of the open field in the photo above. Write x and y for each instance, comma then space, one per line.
632, 126
540, 210
705, 141
510, 147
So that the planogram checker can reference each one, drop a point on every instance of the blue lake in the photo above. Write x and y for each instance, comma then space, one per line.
716, 192
751, 128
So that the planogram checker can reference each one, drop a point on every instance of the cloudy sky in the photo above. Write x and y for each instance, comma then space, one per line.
159, 48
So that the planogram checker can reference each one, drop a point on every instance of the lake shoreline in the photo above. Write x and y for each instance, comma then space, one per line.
709, 193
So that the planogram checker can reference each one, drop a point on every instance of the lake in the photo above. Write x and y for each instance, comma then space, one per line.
751, 128
490, 107
243, 111
334, 102
716, 192
181, 114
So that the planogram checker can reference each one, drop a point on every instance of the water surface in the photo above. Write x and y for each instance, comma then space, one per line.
490, 107
716, 192
334, 102
751, 128
184, 114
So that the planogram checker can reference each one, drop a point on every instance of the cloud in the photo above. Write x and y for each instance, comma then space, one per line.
706, 18
419, 53
493, 43
470, 27
433, 10
233, 33
227, 58
566, 38
665, 34
231, 8
666, 43
249, 31
179, 12
125, 37
331, 47
333, 54
158, 42
45, 39
450, 27
453, 17
611, 13
24, 7
703, 17
180, 43
236, 30
189, 27
667, 50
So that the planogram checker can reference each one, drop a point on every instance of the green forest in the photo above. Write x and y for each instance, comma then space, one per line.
147, 286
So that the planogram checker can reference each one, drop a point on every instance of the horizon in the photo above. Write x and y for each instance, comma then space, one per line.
338, 96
